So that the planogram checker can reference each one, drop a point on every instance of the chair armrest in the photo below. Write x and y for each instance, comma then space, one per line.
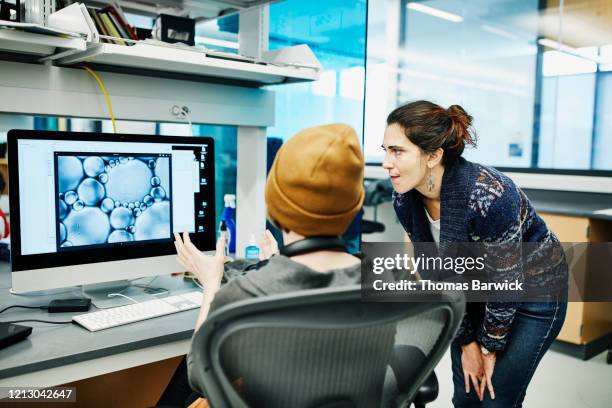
428, 391
370, 227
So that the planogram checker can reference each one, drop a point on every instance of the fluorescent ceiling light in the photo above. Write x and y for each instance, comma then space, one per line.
217, 42
577, 52
547, 42
499, 32
435, 12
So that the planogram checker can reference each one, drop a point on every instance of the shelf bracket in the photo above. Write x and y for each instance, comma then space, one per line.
254, 31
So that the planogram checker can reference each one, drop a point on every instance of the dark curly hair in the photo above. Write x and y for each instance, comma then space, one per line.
430, 126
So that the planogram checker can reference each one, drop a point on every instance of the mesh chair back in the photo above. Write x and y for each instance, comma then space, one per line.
323, 348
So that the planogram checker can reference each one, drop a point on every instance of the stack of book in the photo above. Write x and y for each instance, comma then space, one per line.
111, 22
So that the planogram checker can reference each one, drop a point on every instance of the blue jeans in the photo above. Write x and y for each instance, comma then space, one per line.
533, 330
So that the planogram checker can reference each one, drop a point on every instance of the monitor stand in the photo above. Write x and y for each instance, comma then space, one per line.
116, 293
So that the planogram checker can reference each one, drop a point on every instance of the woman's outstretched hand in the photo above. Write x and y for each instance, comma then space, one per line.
268, 245
206, 268
473, 367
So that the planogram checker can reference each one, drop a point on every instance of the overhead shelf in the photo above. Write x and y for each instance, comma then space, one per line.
42, 45
164, 59
199, 9
73, 38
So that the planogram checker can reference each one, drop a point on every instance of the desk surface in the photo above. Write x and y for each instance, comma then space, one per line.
571, 203
53, 346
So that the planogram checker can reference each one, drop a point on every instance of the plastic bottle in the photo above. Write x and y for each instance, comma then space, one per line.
223, 232
252, 250
228, 216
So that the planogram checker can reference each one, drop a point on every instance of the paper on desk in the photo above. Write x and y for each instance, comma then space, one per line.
606, 211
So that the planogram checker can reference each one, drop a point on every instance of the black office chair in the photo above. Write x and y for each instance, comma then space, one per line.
376, 192
324, 348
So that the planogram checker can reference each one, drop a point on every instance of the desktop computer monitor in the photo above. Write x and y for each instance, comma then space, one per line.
87, 208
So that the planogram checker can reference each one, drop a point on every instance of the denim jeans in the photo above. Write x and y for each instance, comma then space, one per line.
533, 330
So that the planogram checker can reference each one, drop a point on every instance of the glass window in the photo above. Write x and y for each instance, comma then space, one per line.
602, 145
529, 72
566, 122
335, 31
220, 34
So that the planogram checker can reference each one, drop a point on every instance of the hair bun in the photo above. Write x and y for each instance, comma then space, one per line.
457, 113
461, 132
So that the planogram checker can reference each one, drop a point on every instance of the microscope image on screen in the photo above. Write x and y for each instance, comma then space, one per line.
107, 199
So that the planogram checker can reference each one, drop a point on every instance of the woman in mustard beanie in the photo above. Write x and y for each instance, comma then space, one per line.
313, 192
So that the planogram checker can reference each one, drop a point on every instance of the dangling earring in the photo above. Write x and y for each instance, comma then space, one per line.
430, 182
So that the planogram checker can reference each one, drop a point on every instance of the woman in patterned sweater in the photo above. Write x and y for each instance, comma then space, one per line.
440, 197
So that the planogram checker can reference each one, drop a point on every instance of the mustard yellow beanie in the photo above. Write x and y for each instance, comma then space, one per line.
315, 185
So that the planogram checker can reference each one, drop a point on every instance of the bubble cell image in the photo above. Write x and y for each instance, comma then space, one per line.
71, 169
112, 198
63, 209
62, 232
70, 197
129, 182
107, 205
158, 193
93, 166
90, 191
162, 172
154, 222
87, 226
121, 218
120, 236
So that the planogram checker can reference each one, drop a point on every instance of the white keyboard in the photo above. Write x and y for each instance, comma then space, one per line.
117, 316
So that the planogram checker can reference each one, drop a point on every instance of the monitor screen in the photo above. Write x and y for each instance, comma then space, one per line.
89, 197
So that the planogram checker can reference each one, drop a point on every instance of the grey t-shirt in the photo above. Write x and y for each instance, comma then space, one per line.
279, 275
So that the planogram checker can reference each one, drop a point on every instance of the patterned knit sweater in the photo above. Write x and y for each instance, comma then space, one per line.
480, 204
